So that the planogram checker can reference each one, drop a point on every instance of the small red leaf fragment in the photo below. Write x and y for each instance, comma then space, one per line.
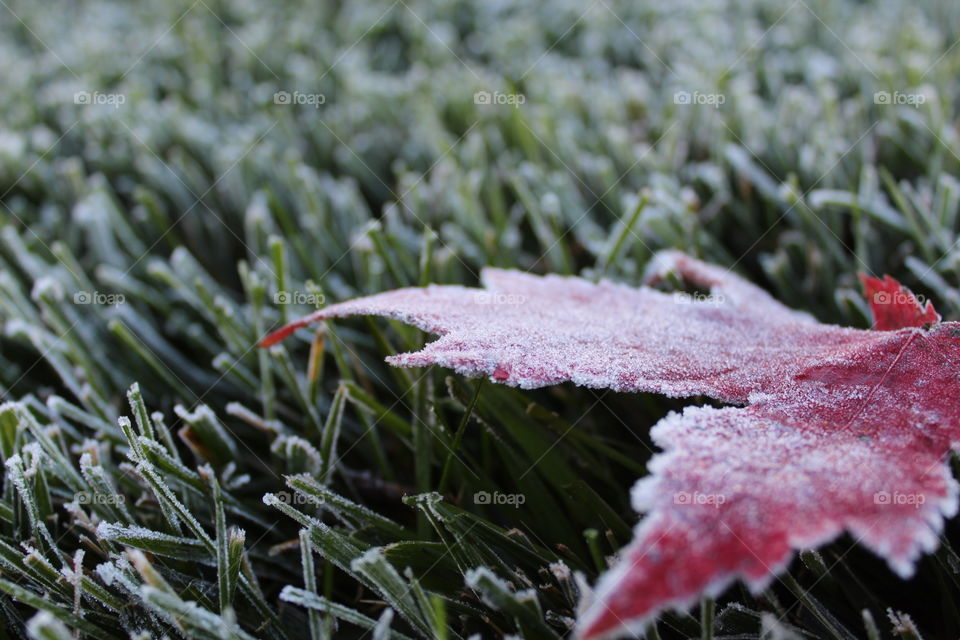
283, 332
894, 306
500, 374
838, 429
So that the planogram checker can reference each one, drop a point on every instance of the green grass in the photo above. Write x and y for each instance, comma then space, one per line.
276, 494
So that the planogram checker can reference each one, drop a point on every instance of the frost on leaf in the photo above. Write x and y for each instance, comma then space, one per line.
838, 429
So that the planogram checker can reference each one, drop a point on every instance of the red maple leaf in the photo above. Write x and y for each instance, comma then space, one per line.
836, 429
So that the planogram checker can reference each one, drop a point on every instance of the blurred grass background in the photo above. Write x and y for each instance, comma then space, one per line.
173, 175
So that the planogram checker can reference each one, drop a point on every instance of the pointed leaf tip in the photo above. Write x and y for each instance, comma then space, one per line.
894, 306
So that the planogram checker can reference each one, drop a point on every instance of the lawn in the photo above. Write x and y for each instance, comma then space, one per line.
178, 179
